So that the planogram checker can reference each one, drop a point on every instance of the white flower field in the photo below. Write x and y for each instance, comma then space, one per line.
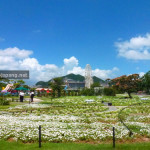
73, 119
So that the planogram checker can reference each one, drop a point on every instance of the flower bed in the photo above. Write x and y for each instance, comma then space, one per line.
69, 119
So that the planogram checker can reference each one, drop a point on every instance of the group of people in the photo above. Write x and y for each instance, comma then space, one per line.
21, 94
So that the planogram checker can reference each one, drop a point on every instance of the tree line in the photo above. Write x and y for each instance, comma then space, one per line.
125, 83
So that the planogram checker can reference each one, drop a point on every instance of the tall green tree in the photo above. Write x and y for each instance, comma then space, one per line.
18, 83
146, 82
96, 88
127, 84
57, 85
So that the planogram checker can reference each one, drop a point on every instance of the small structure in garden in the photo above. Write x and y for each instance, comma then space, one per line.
144, 98
89, 100
88, 76
99, 97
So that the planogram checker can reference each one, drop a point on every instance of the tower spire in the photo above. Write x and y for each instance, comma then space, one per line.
88, 76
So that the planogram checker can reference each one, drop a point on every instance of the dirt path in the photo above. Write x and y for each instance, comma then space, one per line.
35, 100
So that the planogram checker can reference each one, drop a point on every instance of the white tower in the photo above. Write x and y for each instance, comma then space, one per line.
88, 76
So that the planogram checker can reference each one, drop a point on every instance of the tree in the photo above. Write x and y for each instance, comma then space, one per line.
146, 82
18, 83
87, 92
95, 84
109, 91
127, 84
56, 85
96, 88
3, 82
28, 87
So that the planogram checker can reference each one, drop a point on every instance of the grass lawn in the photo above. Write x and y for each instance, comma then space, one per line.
71, 146
12, 104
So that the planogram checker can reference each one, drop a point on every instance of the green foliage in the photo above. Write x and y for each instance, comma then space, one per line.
109, 92
28, 87
3, 82
92, 91
18, 83
56, 86
21, 82
146, 82
127, 84
3, 100
87, 92
96, 84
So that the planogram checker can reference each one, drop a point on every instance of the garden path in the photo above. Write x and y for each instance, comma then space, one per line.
111, 108
35, 100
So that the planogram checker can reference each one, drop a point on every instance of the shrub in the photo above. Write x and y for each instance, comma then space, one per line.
109, 92
3, 101
87, 92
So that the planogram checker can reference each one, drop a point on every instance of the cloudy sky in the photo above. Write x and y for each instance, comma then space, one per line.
56, 37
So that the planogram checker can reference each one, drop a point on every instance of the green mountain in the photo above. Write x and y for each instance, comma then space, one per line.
96, 79
42, 84
71, 76
74, 77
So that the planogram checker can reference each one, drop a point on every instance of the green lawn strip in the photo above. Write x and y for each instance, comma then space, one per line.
12, 104
4, 145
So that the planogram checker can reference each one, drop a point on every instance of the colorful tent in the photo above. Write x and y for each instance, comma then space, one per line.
22, 89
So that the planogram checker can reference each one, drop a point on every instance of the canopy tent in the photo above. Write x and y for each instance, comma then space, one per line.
43, 89
22, 89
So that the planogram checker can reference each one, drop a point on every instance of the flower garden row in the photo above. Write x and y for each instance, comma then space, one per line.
72, 119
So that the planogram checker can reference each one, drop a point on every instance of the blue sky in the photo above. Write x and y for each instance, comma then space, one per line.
57, 37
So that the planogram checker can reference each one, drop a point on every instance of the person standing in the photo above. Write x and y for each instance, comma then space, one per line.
21, 94
32, 96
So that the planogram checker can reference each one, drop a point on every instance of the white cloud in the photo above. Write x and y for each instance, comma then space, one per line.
77, 70
137, 48
30, 63
15, 53
17, 59
141, 74
71, 62
104, 74
6, 59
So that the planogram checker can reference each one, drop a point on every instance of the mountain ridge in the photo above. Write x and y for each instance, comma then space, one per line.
75, 77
